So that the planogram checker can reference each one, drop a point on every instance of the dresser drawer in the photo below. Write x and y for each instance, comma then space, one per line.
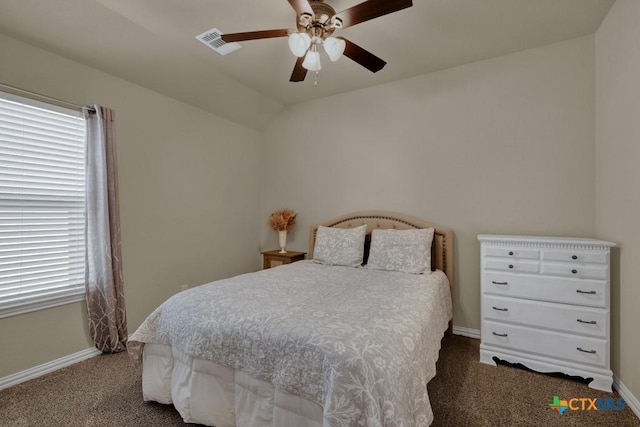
562, 317
551, 289
582, 271
512, 265
509, 252
575, 256
574, 348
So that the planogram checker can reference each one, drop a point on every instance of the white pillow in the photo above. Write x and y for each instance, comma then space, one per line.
407, 251
340, 246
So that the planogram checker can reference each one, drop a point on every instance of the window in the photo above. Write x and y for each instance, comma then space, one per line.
42, 205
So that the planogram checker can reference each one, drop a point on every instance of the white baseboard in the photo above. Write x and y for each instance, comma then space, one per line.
466, 332
48, 367
629, 398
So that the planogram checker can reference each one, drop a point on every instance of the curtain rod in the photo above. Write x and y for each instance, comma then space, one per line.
40, 97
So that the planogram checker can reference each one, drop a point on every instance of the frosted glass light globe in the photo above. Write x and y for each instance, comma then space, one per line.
334, 48
299, 43
312, 61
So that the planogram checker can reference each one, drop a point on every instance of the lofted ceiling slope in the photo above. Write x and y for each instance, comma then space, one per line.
151, 43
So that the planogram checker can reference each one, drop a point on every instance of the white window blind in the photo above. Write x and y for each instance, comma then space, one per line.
42, 205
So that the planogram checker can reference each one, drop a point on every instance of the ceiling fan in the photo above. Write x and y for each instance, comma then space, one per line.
316, 22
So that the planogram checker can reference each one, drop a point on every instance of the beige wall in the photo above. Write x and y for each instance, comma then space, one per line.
188, 193
499, 146
618, 175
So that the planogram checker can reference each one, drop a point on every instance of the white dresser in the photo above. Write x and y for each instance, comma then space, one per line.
545, 304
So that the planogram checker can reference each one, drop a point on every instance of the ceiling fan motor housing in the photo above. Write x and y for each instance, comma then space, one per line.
319, 8
322, 24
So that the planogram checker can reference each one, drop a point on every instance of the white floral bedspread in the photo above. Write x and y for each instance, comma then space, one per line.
362, 343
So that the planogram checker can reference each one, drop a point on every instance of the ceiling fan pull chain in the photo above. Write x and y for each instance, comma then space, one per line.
315, 84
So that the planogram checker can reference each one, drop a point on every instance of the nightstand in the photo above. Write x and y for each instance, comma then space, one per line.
272, 259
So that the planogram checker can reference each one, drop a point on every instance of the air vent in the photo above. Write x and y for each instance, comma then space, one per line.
212, 39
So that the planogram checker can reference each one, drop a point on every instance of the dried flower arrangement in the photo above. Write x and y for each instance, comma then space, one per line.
283, 220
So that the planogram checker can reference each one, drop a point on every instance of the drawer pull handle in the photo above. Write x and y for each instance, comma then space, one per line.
503, 335
510, 265
501, 309
574, 256
511, 253
574, 271
499, 283
580, 291
588, 322
586, 351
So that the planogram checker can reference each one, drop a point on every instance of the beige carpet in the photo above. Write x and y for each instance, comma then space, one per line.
105, 391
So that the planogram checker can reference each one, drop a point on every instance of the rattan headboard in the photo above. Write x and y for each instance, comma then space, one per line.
442, 250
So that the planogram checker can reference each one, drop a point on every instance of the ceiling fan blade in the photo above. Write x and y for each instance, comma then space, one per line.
363, 57
301, 6
254, 35
369, 10
299, 72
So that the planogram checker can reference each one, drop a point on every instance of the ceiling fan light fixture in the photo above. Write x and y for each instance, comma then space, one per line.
299, 43
316, 22
312, 60
334, 47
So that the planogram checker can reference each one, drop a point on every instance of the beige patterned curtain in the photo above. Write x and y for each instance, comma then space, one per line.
104, 282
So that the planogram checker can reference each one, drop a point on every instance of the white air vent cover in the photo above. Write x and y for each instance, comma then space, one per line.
212, 39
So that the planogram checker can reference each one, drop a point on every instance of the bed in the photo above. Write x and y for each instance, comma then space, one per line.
313, 343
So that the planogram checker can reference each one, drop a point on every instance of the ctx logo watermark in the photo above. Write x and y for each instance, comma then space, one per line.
587, 404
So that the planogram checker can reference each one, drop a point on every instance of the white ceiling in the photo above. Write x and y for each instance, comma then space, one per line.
151, 43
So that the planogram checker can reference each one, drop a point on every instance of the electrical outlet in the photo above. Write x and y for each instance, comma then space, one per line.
184, 287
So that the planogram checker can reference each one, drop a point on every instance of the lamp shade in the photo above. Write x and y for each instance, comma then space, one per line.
299, 43
334, 47
312, 61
